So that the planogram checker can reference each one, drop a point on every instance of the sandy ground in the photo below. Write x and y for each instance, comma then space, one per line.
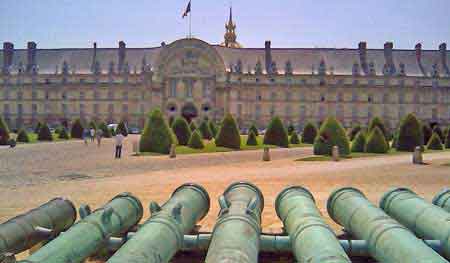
33, 174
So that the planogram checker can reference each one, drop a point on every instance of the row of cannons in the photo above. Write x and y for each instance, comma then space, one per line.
404, 228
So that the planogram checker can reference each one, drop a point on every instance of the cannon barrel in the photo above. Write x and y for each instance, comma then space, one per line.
312, 240
387, 240
91, 233
424, 219
19, 233
160, 237
442, 199
236, 235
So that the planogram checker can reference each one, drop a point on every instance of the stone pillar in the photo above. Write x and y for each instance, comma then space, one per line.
417, 155
389, 60
31, 56
266, 154
8, 52
122, 57
335, 153
268, 57
443, 55
362, 48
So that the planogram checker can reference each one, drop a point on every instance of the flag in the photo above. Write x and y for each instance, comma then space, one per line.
188, 10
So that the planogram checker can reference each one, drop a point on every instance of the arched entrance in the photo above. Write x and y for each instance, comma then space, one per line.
189, 112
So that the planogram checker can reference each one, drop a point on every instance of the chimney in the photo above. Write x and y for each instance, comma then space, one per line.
389, 60
94, 58
8, 52
418, 52
443, 55
268, 57
31, 56
362, 47
122, 54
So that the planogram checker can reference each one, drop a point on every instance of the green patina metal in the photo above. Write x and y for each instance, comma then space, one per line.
425, 219
160, 237
19, 233
387, 240
313, 241
236, 235
442, 199
91, 233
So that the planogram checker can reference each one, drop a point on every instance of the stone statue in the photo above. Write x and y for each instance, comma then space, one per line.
402, 69
435, 71
97, 68
258, 68
288, 68
322, 67
111, 67
355, 69
65, 68
238, 67
372, 68
273, 68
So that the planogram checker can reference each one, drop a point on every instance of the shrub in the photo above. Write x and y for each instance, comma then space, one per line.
254, 130
22, 136
77, 129
437, 129
309, 133
359, 142
435, 142
447, 139
171, 120
157, 135
93, 125
63, 134
38, 126
44, 133
294, 139
181, 129
104, 128
251, 139
192, 126
4, 132
122, 128
353, 132
427, 132
276, 134
290, 129
331, 134
205, 131
410, 134
228, 135
377, 122
376, 142
196, 141
213, 128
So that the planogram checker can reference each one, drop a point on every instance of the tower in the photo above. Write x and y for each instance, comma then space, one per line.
230, 33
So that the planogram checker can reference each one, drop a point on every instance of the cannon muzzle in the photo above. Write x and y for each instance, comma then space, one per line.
387, 240
236, 235
91, 233
160, 237
442, 199
312, 240
20, 233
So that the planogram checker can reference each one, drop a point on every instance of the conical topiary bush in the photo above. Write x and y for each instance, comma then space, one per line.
353, 132
157, 136
294, 139
378, 122
181, 129
359, 142
22, 136
437, 129
427, 132
253, 129
228, 135
205, 130
410, 134
309, 133
63, 134
77, 129
290, 129
251, 139
435, 142
331, 133
276, 134
44, 133
192, 126
213, 128
196, 141
376, 142
4, 132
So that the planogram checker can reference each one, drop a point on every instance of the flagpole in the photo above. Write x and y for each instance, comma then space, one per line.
190, 14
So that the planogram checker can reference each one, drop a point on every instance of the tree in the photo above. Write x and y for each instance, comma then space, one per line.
276, 134
359, 142
77, 129
44, 133
251, 139
105, 131
192, 126
205, 130
294, 139
181, 129
290, 129
331, 133
228, 135
435, 142
309, 133
254, 129
427, 132
437, 129
410, 134
122, 128
377, 122
353, 132
213, 128
63, 134
4, 132
376, 142
22, 136
196, 141
157, 135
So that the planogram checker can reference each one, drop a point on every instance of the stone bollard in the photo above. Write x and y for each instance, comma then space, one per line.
136, 147
266, 154
335, 153
417, 155
173, 153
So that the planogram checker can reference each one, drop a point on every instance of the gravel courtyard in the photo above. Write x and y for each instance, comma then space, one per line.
33, 174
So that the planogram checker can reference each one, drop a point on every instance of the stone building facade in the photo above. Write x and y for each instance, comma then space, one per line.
195, 79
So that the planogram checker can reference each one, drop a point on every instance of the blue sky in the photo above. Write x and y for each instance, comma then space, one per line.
287, 23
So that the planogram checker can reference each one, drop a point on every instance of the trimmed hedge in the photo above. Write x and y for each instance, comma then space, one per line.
77, 129
104, 128
253, 129
427, 132
205, 130
196, 141
378, 122
276, 134
157, 135
435, 142
22, 136
251, 139
181, 129
447, 139
228, 135
331, 133
63, 134
309, 133
192, 126
4, 132
213, 128
44, 133
122, 128
359, 142
376, 141
437, 129
294, 139
410, 134
353, 132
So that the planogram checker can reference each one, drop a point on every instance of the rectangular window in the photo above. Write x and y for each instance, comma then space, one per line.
173, 88
6, 109
125, 95
47, 95
34, 109
110, 94
34, 95
288, 111
82, 95
19, 95
257, 111
302, 111
82, 109
125, 108
19, 110
434, 114
96, 108
96, 95
239, 110
65, 109
206, 89
64, 95
6, 94
142, 108
189, 84
111, 108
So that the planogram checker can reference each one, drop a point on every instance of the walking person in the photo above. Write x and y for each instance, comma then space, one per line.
92, 134
119, 141
98, 136
85, 136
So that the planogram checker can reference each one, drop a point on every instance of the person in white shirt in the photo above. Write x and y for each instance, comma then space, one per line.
119, 140
92, 133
